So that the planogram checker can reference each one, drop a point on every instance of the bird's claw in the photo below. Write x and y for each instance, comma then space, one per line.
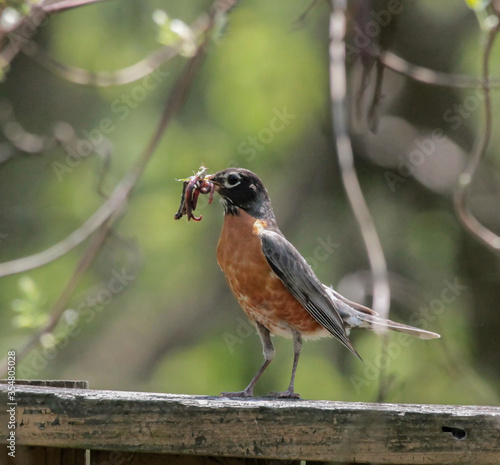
288, 394
239, 394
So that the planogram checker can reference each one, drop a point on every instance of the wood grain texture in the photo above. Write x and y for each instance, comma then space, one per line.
41, 455
61, 383
258, 428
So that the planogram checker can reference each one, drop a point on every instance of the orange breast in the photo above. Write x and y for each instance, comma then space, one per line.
258, 290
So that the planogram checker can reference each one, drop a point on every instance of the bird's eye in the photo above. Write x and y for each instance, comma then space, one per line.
233, 179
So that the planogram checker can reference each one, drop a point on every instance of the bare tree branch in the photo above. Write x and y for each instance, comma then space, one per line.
108, 208
119, 77
64, 5
429, 76
338, 90
19, 36
478, 230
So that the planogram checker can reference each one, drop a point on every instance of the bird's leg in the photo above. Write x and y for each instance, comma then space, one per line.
297, 348
268, 348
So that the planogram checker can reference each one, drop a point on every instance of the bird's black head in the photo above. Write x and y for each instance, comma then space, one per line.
240, 188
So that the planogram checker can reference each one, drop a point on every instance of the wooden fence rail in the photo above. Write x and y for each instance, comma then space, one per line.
55, 425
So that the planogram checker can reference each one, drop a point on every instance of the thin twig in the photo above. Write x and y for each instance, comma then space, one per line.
108, 208
373, 119
119, 77
301, 19
338, 90
19, 36
65, 5
470, 222
429, 76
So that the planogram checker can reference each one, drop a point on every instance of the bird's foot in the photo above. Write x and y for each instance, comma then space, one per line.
238, 394
288, 394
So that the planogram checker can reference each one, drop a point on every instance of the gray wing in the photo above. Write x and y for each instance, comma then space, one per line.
302, 283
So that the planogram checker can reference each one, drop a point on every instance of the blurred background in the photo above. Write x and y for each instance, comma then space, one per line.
153, 312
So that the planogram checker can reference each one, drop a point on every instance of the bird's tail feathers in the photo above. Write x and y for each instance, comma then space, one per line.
376, 322
355, 315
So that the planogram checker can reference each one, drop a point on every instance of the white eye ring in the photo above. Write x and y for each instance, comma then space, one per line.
232, 179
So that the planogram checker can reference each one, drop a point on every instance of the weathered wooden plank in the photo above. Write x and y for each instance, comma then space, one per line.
41, 455
62, 383
258, 428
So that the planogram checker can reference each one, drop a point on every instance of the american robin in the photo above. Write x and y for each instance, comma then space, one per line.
273, 283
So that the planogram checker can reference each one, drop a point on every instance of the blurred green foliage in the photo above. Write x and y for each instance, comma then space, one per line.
172, 325
29, 306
